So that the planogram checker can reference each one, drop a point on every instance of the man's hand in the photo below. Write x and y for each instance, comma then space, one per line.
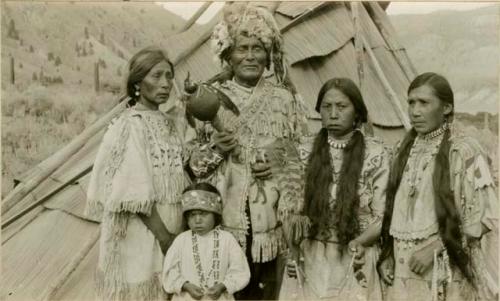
261, 170
216, 291
193, 290
386, 270
224, 142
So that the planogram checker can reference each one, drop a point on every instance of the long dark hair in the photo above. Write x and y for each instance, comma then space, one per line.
319, 172
140, 65
446, 211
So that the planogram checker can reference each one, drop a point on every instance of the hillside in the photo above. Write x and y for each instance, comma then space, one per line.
55, 47
463, 46
63, 40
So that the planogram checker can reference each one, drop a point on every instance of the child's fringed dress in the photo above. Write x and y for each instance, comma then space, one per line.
139, 164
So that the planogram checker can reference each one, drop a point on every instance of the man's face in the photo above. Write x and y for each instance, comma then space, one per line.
427, 112
248, 60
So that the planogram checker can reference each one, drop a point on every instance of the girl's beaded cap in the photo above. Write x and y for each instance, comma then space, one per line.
201, 200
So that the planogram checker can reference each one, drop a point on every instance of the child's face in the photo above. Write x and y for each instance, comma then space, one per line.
200, 222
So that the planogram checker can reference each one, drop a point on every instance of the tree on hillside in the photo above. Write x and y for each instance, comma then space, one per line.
11, 31
57, 62
101, 38
34, 77
50, 56
86, 32
32, 49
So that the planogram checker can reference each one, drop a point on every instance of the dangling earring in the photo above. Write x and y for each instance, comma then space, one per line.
137, 92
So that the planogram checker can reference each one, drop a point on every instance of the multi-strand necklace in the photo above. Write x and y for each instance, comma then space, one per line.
214, 270
415, 178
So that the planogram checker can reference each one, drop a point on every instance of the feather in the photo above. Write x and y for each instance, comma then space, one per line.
226, 101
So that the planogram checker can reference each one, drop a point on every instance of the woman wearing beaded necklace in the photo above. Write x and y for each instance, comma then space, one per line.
346, 175
441, 200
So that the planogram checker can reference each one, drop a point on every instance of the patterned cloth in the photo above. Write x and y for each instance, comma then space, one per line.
180, 266
139, 164
327, 274
414, 223
270, 120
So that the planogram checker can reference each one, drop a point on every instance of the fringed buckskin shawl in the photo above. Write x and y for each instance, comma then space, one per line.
139, 164
271, 119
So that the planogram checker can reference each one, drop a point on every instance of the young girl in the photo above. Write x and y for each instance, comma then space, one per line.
204, 262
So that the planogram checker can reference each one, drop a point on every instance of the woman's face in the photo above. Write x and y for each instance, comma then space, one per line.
427, 112
338, 115
248, 60
155, 87
200, 221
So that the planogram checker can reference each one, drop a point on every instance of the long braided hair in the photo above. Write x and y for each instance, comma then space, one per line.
446, 211
319, 172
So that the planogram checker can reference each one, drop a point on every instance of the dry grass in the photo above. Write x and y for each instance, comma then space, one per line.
38, 121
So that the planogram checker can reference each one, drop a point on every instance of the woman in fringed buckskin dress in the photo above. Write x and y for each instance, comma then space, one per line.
136, 183
441, 206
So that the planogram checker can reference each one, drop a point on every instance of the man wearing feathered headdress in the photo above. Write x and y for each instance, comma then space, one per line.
252, 156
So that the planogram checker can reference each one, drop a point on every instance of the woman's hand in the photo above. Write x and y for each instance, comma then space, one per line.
225, 142
422, 259
357, 249
193, 290
165, 242
386, 270
216, 291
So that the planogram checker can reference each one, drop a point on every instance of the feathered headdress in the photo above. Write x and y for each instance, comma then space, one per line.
242, 18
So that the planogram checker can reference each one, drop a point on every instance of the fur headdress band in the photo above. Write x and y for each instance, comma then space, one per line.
244, 19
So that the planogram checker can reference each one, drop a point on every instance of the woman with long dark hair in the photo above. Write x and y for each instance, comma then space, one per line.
441, 199
345, 181
136, 185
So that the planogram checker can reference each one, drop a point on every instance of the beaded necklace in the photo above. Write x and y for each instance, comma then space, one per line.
340, 143
215, 260
414, 179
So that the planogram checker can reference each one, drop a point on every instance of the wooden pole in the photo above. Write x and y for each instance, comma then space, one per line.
54, 161
46, 197
392, 95
358, 41
96, 76
195, 17
388, 32
12, 71
358, 46
302, 17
